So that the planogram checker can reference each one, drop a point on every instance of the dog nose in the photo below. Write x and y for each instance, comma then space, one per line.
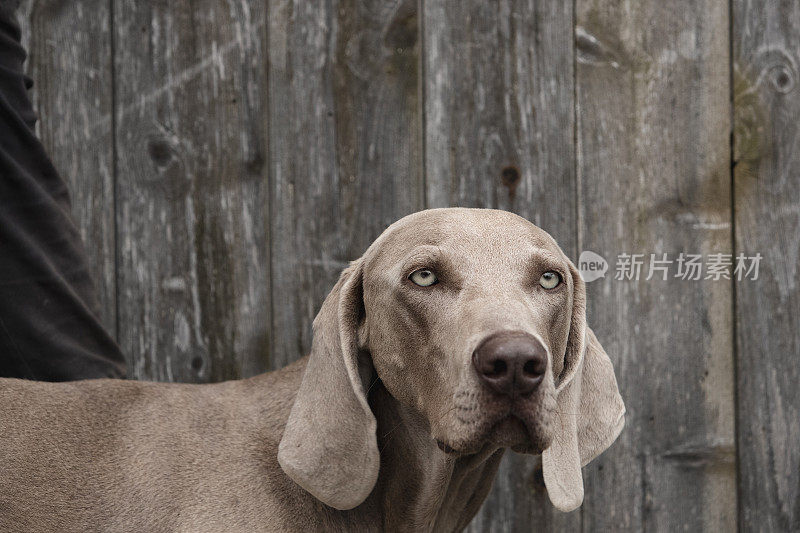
511, 363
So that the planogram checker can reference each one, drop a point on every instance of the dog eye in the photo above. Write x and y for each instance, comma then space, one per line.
423, 277
550, 280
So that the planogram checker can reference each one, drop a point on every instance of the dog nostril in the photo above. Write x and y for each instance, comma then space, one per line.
529, 368
534, 368
499, 368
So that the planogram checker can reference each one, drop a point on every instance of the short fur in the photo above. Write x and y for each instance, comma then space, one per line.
349, 438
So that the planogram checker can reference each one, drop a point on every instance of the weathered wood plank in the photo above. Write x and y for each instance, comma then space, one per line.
192, 191
345, 153
766, 135
344, 156
653, 165
499, 133
69, 58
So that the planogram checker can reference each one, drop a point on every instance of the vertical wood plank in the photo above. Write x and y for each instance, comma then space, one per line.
344, 145
499, 133
766, 51
192, 191
69, 59
654, 171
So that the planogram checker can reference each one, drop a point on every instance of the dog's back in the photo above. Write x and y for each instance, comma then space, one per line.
113, 455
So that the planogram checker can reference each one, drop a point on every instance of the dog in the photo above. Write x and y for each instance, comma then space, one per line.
458, 334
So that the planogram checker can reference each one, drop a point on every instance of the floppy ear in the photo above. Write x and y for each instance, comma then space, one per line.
329, 446
590, 413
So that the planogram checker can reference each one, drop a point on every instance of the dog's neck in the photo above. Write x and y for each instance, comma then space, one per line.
420, 487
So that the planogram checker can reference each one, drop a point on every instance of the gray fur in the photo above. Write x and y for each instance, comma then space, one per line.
346, 438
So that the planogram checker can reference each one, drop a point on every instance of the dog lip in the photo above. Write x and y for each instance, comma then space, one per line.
486, 436
445, 447
494, 413
512, 418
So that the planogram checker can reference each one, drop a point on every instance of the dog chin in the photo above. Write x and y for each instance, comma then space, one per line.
522, 437
508, 432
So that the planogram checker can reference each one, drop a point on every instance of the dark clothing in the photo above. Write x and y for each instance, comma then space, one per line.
49, 325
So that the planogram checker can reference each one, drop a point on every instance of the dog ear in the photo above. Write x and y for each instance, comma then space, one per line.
329, 446
590, 412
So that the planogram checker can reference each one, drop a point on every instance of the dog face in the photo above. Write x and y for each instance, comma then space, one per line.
467, 315
476, 320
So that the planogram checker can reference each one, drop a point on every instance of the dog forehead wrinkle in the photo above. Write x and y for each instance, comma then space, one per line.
434, 224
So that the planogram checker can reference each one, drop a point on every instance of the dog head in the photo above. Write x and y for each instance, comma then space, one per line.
476, 320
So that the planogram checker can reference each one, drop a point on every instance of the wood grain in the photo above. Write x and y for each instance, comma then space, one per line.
192, 195
344, 143
499, 132
228, 159
653, 164
766, 49
69, 56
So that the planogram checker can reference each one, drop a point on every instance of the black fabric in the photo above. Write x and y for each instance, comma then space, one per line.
49, 325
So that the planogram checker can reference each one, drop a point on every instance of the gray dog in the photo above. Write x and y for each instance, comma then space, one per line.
458, 334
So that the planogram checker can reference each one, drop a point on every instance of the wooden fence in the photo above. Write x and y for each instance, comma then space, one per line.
227, 158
